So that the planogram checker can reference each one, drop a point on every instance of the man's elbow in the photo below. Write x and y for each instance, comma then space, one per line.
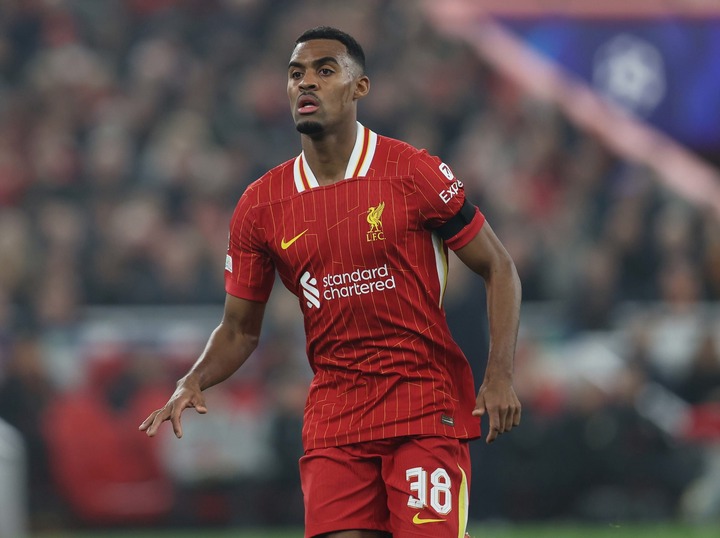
503, 270
251, 340
240, 336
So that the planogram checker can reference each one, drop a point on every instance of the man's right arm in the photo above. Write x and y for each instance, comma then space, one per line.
228, 347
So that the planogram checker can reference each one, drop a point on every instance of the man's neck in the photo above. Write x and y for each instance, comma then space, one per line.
327, 155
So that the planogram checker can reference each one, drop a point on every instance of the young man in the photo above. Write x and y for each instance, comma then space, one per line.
358, 226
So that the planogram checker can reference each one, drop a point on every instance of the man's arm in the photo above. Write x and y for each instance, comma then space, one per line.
228, 347
486, 255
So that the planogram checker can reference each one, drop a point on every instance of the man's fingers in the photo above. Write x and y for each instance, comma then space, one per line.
492, 435
199, 404
151, 424
175, 417
517, 415
493, 425
154, 421
502, 420
509, 419
480, 407
176, 424
146, 423
160, 417
173, 411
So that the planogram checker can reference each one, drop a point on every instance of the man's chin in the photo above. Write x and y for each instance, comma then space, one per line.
309, 127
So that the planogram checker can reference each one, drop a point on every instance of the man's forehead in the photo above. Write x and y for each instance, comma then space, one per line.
319, 48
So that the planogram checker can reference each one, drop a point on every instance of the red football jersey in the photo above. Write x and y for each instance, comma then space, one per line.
369, 273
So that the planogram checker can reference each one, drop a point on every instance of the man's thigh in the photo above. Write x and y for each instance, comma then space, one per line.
427, 481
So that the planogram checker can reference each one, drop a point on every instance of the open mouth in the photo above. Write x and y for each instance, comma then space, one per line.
307, 104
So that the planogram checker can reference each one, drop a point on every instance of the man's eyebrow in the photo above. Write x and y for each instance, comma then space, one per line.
319, 61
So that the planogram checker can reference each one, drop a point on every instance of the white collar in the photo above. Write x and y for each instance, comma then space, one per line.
358, 164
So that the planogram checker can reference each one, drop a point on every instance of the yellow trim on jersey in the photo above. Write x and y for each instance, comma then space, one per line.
463, 505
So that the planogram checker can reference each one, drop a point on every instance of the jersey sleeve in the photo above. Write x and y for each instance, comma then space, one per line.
249, 270
442, 198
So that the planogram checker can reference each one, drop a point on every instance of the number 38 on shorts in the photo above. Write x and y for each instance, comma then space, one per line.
432, 489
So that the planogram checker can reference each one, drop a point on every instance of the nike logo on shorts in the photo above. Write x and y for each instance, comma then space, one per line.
420, 521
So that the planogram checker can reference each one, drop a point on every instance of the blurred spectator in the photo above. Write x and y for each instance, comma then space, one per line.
107, 476
701, 384
596, 293
26, 392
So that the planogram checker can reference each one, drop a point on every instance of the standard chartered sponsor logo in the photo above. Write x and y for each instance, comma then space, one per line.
342, 285
310, 291
358, 282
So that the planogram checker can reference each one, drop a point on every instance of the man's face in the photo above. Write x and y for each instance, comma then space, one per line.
323, 84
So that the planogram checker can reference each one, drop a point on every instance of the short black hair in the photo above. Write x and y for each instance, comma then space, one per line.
354, 49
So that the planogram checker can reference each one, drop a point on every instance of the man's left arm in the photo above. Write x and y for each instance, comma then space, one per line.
486, 256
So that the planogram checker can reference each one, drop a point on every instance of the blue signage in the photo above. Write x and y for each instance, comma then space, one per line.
665, 70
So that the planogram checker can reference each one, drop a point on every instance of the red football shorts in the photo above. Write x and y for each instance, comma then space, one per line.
409, 486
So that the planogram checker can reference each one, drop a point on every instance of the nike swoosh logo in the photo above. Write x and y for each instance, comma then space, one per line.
419, 521
285, 244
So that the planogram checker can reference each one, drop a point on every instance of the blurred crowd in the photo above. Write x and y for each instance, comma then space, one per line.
128, 130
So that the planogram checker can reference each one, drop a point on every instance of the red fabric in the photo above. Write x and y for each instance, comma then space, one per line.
369, 275
370, 486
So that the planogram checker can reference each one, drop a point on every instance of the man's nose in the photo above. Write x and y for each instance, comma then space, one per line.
308, 82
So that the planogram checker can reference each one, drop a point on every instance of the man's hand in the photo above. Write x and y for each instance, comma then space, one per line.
499, 401
186, 395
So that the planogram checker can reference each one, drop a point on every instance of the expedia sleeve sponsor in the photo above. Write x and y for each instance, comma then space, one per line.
443, 204
440, 193
453, 190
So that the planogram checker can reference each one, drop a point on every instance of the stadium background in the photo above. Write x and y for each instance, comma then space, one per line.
128, 129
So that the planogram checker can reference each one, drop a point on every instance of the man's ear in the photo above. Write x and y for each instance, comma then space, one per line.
362, 87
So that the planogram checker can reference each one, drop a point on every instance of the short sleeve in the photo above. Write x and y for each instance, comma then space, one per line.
442, 198
249, 270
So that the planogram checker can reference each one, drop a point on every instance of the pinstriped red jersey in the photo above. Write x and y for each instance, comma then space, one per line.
369, 274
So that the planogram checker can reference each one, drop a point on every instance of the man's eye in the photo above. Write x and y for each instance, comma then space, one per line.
325, 71
296, 75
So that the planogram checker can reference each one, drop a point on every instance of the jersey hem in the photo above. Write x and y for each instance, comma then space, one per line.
334, 441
